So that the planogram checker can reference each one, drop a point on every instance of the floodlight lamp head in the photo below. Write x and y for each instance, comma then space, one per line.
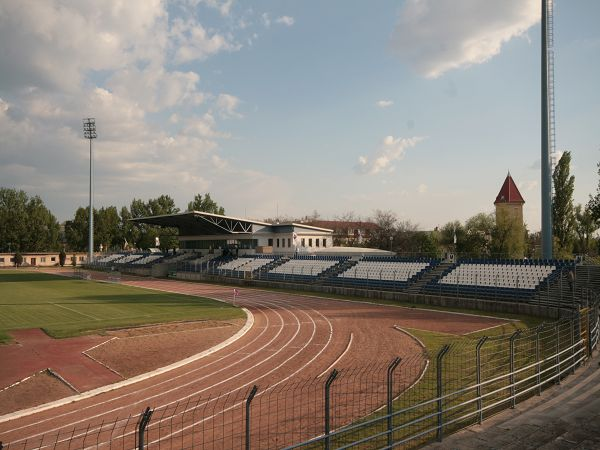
89, 128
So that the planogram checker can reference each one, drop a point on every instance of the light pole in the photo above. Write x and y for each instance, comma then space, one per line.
89, 132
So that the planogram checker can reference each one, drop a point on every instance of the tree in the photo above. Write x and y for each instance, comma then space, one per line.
593, 205
453, 237
146, 234
77, 230
205, 204
478, 239
563, 216
386, 228
18, 259
62, 257
584, 227
106, 228
25, 223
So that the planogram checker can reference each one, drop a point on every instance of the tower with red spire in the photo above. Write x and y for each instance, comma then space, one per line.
509, 218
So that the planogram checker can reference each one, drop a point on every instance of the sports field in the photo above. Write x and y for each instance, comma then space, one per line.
64, 307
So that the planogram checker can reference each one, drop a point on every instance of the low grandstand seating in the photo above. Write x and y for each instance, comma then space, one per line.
110, 258
152, 258
303, 268
497, 278
383, 272
246, 264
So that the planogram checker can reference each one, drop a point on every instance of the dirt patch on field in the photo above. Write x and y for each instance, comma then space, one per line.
139, 350
35, 390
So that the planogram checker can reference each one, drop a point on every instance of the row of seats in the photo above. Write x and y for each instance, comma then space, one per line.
393, 270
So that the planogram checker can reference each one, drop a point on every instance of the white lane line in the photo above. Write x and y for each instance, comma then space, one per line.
193, 292
127, 382
187, 396
339, 357
76, 312
273, 386
120, 384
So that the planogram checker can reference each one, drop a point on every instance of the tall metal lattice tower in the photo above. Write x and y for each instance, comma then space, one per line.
548, 124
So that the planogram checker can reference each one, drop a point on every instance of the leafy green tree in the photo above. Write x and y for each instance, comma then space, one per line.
77, 230
62, 257
146, 234
25, 223
205, 204
563, 216
585, 225
478, 239
106, 229
447, 237
18, 259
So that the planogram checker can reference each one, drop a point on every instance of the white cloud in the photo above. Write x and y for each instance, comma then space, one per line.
285, 20
437, 36
193, 42
224, 7
227, 105
422, 188
392, 149
266, 19
384, 103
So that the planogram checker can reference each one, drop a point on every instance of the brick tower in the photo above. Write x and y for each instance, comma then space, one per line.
509, 219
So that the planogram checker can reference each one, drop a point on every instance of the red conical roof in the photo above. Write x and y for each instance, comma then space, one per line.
509, 193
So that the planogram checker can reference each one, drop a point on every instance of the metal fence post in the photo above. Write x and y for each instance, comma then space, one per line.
537, 358
142, 424
440, 390
512, 368
557, 353
330, 379
390, 398
253, 392
479, 400
572, 323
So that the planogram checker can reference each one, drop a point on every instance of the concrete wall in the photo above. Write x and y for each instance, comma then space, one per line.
417, 299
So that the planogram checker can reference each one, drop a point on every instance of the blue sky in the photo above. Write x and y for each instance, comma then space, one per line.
420, 106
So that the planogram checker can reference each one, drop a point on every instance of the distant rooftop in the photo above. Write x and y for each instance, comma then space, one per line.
509, 193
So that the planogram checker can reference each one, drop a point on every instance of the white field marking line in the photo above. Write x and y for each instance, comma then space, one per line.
152, 387
485, 329
120, 384
270, 387
220, 382
98, 345
171, 332
402, 330
339, 357
16, 383
75, 311
102, 364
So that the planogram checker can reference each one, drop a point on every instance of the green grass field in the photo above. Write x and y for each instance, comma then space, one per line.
64, 307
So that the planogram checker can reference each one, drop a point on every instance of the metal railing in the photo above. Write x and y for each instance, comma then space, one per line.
403, 403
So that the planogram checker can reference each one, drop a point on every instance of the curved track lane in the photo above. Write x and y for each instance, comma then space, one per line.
294, 338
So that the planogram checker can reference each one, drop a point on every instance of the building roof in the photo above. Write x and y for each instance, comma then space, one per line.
192, 223
342, 224
509, 193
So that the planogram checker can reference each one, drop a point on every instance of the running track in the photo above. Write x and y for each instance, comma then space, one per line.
293, 337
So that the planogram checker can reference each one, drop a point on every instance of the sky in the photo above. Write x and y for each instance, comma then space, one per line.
285, 107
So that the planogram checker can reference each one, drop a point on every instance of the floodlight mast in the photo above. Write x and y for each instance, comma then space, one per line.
89, 132
547, 123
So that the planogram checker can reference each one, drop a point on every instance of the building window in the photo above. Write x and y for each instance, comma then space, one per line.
12, 260
310, 242
303, 242
43, 259
271, 242
289, 242
324, 242
277, 242
81, 258
1, 260
317, 242
53, 259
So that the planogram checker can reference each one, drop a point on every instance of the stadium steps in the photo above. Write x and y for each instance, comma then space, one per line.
334, 271
588, 275
428, 277
559, 293
272, 265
